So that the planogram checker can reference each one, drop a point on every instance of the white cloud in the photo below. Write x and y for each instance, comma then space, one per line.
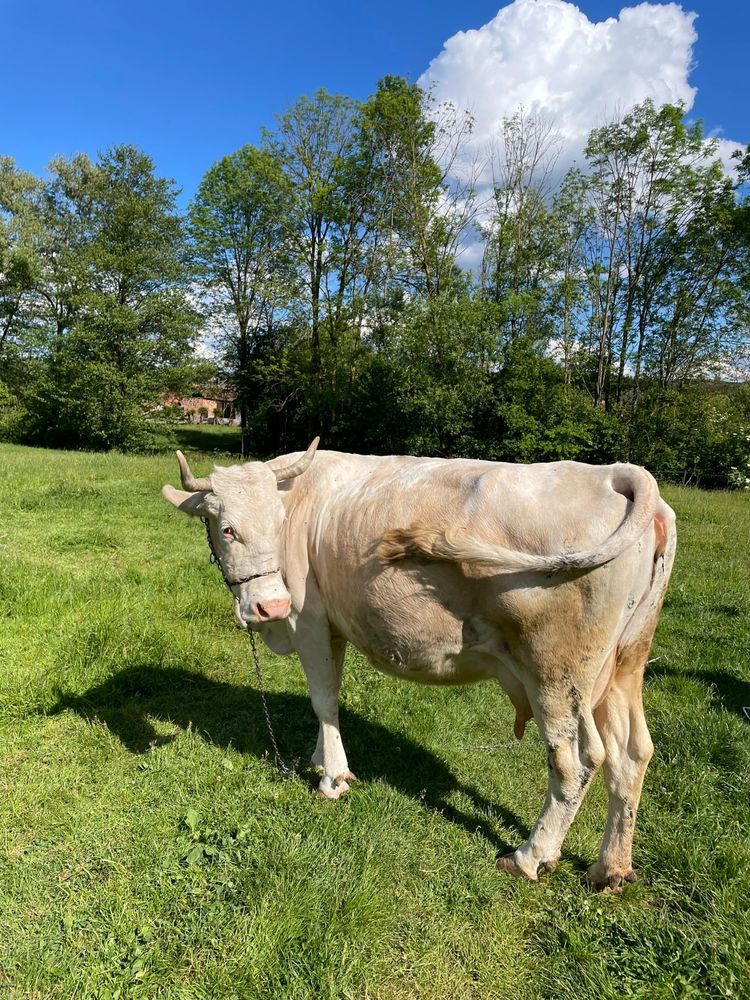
547, 56
725, 153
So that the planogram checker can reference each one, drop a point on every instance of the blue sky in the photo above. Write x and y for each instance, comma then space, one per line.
189, 82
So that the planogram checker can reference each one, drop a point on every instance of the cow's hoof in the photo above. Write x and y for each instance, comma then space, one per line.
601, 879
332, 789
507, 863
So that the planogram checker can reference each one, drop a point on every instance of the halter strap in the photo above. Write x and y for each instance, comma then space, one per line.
215, 559
247, 579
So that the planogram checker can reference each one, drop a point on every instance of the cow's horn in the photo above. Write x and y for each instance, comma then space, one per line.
298, 467
189, 482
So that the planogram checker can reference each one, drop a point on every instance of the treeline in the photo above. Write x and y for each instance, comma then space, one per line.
361, 279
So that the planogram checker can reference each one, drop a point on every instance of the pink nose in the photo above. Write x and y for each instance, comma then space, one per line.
273, 611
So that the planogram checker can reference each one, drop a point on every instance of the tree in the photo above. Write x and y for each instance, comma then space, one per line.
700, 305
423, 206
521, 238
239, 234
571, 219
124, 320
653, 185
41, 229
315, 144
17, 257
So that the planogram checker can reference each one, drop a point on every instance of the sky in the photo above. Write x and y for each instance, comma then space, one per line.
189, 82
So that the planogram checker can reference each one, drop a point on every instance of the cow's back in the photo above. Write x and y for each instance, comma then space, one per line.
441, 622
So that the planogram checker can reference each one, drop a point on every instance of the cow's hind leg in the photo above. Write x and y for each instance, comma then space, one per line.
622, 724
574, 753
628, 749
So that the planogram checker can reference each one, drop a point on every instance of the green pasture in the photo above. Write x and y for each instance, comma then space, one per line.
218, 440
149, 849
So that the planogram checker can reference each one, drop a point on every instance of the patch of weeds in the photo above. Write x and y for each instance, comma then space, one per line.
208, 845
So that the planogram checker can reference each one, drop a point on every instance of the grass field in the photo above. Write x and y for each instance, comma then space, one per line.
149, 849
218, 440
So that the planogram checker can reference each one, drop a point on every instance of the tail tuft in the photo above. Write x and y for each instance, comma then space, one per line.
414, 542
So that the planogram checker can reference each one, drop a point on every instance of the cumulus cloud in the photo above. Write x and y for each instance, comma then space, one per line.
548, 57
725, 152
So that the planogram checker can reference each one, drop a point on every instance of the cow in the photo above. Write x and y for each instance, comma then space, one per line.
548, 578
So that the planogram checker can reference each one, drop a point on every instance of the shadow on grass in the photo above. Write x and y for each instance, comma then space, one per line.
732, 693
230, 715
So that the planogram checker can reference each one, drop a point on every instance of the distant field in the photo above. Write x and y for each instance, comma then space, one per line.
149, 849
210, 438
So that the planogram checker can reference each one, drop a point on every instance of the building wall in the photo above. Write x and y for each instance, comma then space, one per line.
192, 404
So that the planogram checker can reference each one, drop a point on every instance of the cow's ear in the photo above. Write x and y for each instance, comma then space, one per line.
189, 503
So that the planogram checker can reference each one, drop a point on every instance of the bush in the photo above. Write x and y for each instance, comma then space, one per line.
12, 415
698, 434
536, 416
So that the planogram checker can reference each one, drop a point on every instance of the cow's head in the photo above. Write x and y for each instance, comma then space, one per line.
245, 515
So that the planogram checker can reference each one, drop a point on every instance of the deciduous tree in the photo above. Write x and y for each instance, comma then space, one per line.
240, 234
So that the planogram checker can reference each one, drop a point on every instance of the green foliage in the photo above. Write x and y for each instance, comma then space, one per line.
698, 434
607, 310
443, 351
12, 414
624, 288
407, 143
539, 417
522, 238
109, 299
239, 229
661, 254
18, 277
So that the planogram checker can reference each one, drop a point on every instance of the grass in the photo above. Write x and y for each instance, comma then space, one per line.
213, 439
149, 849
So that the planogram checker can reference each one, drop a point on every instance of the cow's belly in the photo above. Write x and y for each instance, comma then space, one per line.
440, 667
405, 630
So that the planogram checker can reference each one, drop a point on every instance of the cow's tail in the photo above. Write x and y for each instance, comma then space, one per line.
422, 542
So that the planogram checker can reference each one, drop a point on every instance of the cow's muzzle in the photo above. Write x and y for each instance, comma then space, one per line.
272, 611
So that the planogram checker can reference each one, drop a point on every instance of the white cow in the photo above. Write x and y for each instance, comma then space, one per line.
548, 578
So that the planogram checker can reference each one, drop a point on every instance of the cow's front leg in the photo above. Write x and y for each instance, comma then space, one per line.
574, 753
338, 648
322, 660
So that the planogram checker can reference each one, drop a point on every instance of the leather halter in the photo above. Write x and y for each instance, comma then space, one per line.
247, 579
215, 559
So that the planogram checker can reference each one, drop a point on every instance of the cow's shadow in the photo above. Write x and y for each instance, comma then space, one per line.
231, 715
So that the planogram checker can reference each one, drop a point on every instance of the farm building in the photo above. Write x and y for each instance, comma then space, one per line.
206, 404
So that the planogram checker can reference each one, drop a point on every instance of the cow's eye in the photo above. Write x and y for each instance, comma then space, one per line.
227, 531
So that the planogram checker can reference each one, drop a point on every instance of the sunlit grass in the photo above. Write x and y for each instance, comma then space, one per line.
148, 848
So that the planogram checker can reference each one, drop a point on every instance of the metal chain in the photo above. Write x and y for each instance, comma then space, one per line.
282, 766
213, 557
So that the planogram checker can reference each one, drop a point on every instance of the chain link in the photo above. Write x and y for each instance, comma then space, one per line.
282, 766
